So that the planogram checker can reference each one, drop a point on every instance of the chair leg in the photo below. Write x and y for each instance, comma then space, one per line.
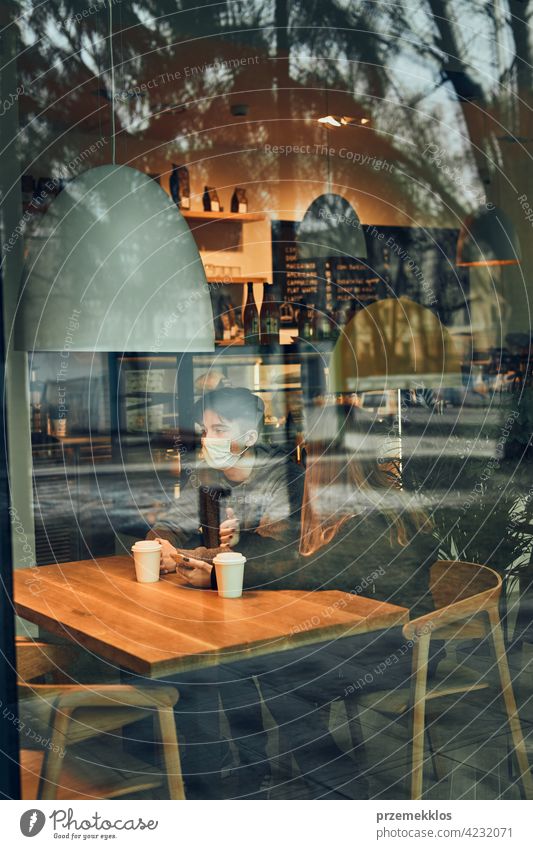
354, 724
420, 667
52, 764
284, 766
438, 773
171, 754
510, 703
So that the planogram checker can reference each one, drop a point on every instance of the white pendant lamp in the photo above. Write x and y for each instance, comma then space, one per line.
113, 266
114, 253
330, 228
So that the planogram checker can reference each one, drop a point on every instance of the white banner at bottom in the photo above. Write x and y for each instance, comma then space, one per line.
241, 824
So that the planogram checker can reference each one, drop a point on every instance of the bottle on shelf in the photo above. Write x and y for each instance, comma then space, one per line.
302, 318
179, 186
221, 326
250, 318
38, 413
174, 185
343, 315
306, 321
239, 201
324, 329
210, 200
269, 318
233, 323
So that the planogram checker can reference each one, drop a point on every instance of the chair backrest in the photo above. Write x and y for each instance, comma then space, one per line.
461, 591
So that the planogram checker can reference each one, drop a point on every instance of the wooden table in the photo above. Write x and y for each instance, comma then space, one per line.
163, 628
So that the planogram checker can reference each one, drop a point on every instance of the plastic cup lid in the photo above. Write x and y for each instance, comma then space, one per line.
146, 545
229, 558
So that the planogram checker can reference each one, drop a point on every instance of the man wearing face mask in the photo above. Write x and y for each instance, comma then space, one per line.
246, 496
251, 492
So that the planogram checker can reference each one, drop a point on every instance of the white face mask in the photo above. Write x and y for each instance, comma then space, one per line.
218, 454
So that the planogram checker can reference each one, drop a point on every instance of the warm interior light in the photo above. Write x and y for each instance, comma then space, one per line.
343, 121
330, 120
489, 263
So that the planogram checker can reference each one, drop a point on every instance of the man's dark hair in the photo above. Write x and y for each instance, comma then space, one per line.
232, 403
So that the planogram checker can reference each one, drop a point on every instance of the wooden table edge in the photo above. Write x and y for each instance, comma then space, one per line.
303, 634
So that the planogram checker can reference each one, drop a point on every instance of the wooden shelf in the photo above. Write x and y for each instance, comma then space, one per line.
288, 353
201, 215
241, 280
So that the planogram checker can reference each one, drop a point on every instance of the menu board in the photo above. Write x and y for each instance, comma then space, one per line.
352, 280
321, 284
412, 261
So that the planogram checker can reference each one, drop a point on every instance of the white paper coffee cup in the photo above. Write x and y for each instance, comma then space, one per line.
229, 568
147, 557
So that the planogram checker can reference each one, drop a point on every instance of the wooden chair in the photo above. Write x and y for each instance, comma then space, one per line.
466, 597
83, 712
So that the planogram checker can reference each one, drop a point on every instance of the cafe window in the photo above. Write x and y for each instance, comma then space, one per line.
266, 286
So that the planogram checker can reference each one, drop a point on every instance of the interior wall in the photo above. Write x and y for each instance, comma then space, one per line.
277, 150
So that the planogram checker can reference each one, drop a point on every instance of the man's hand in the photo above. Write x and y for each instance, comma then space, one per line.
197, 573
229, 529
167, 551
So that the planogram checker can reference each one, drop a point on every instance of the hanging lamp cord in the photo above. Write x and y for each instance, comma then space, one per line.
112, 67
328, 161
